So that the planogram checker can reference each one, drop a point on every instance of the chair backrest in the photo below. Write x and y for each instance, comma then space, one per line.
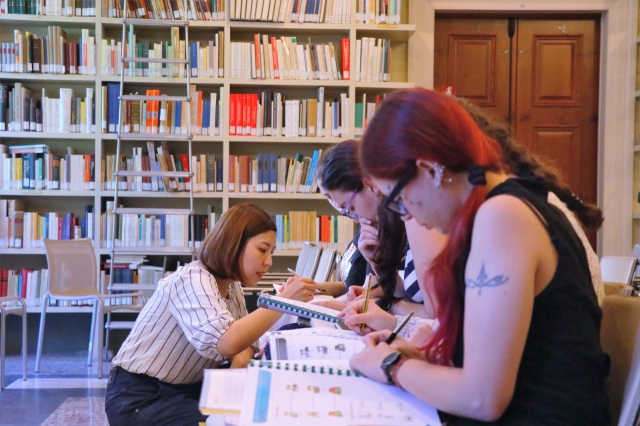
617, 269
72, 268
302, 257
325, 265
312, 262
620, 338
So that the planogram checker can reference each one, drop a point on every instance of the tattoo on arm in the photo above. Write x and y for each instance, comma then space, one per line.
483, 280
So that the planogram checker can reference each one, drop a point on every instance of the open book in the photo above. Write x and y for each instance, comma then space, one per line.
300, 309
314, 343
321, 393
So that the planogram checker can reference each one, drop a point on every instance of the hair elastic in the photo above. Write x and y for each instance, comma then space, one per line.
477, 175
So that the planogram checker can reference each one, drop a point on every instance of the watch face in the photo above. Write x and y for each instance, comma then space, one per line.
388, 362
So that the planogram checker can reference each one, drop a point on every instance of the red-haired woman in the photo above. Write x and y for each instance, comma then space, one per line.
518, 341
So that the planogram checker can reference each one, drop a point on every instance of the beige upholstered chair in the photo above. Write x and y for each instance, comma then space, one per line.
620, 337
16, 310
73, 275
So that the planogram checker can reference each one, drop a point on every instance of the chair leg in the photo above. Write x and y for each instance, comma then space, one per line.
3, 328
100, 331
105, 342
43, 313
92, 332
24, 340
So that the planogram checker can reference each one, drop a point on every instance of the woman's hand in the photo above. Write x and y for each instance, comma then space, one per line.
421, 335
357, 292
296, 288
368, 240
242, 359
331, 304
375, 319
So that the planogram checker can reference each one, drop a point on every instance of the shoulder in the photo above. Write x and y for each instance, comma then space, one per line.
504, 211
194, 271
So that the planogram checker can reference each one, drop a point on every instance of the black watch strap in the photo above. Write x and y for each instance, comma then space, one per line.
390, 361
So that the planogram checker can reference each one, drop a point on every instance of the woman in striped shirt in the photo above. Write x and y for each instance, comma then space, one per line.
197, 319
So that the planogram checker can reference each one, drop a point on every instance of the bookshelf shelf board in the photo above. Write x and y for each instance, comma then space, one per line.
50, 19
160, 194
282, 139
21, 251
117, 22
76, 78
153, 250
290, 83
165, 80
386, 27
112, 137
287, 253
46, 193
43, 135
390, 85
61, 310
251, 26
276, 195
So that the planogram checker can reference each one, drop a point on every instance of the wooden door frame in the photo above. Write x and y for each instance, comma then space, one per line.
616, 96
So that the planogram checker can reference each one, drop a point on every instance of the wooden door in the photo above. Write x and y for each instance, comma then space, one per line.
548, 93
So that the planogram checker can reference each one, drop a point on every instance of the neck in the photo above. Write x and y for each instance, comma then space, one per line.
494, 179
223, 285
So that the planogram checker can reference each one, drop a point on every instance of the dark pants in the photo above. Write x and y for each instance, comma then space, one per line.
140, 400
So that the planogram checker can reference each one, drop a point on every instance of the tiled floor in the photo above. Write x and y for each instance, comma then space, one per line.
65, 392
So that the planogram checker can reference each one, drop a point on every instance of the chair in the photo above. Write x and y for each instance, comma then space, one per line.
618, 269
15, 310
302, 257
73, 275
325, 266
620, 338
311, 263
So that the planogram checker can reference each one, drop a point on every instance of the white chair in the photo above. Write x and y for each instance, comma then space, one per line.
620, 338
73, 275
15, 310
618, 269
325, 266
310, 265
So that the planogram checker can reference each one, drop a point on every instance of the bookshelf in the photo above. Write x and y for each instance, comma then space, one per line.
636, 141
408, 44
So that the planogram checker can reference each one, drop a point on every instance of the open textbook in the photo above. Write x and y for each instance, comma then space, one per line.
310, 393
314, 344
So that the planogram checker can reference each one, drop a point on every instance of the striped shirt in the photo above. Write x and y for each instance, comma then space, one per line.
411, 286
175, 336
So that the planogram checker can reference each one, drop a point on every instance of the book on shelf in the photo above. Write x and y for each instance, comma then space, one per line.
373, 59
26, 283
206, 169
23, 229
298, 11
197, 10
22, 111
49, 53
49, 8
270, 113
298, 227
163, 117
378, 11
283, 58
272, 173
312, 392
35, 167
365, 112
207, 56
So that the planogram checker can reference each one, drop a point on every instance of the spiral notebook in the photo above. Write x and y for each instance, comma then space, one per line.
300, 309
313, 344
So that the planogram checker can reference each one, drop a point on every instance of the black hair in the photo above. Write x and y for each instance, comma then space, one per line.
339, 167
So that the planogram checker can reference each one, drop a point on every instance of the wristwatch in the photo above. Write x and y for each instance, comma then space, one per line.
390, 361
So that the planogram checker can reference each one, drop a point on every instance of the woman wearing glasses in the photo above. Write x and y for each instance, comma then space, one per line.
518, 341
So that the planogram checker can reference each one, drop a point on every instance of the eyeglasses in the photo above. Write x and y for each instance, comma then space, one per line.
345, 211
390, 201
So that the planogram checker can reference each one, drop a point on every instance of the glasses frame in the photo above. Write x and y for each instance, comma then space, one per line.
390, 202
345, 211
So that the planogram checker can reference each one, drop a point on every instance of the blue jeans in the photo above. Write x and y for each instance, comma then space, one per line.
140, 400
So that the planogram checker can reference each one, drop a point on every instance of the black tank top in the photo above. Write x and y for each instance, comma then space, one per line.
561, 379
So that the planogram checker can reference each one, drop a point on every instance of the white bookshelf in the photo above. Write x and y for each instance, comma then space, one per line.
409, 47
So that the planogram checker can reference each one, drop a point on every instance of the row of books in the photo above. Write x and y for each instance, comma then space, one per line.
49, 54
22, 229
199, 10
26, 283
301, 11
49, 7
207, 57
20, 112
365, 112
206, 169
163, 117
71, 172
284, 59
378, 11
271, 114
271, 173
373, 59
294, 229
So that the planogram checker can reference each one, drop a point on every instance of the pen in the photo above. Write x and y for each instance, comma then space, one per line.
397, 330
365, 306
318, 290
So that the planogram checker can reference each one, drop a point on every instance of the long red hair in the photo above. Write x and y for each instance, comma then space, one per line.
421, 124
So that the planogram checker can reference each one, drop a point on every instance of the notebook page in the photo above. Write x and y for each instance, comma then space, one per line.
222, 391
314, 343
293, 398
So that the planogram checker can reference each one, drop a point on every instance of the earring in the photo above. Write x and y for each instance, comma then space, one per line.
438, 170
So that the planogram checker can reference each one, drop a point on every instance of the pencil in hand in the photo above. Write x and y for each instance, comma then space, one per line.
365, 305
295, 274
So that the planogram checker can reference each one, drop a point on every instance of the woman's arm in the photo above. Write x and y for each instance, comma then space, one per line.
335, 289
511, 260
